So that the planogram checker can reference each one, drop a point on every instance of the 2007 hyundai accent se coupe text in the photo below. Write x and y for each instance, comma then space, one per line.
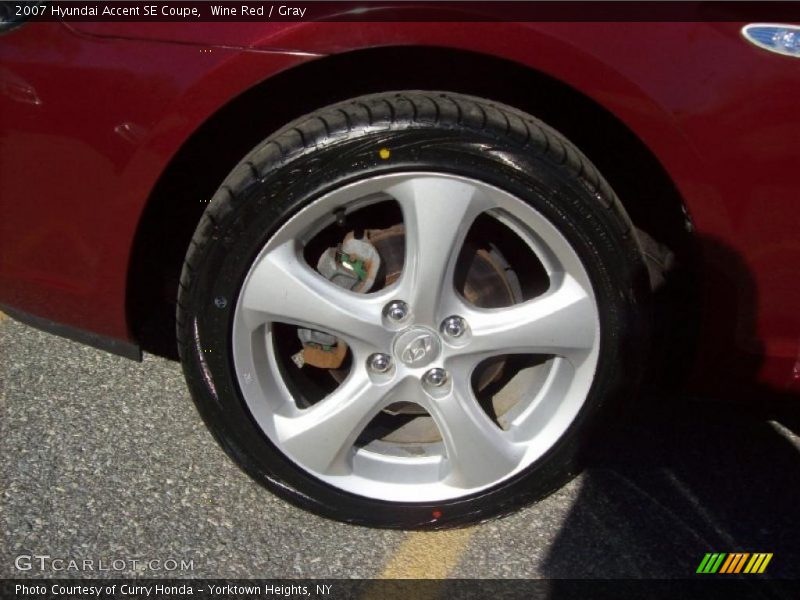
409, 266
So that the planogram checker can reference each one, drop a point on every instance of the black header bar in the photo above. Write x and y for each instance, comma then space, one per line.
407, 11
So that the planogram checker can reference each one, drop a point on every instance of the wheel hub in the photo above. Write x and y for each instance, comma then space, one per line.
417, 347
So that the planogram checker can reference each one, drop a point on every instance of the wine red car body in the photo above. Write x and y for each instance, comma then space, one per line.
115, 137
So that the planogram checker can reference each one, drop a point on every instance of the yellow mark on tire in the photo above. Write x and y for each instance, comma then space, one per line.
428, 555
384, 153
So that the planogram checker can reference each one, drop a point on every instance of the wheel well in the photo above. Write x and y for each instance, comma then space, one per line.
179, 198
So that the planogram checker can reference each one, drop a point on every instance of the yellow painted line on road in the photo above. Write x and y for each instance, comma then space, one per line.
428, 555
3, 316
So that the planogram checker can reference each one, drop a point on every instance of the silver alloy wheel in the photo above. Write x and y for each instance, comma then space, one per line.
475, 453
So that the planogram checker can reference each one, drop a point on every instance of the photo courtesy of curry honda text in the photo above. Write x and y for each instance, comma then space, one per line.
410, 268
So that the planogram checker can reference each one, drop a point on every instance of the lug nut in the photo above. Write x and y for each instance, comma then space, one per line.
454, 326
379, 363
396, 311
435, 377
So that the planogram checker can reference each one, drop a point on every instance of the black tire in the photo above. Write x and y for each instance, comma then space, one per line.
432, 131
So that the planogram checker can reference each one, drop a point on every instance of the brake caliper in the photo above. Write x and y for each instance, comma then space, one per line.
352, 265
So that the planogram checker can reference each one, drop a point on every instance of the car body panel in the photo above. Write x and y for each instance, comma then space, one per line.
92, 114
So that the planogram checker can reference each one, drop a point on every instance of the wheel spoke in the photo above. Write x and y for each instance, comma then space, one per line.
563, 322
437, 213
282, 287
321, 437
478, 451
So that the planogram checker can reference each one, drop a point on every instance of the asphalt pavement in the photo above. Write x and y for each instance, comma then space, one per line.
103, 459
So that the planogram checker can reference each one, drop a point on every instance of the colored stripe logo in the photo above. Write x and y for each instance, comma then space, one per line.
734, 562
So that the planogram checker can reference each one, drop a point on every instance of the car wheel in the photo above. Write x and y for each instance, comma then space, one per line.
407, 309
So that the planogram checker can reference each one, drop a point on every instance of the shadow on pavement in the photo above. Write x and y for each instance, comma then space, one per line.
684, 479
